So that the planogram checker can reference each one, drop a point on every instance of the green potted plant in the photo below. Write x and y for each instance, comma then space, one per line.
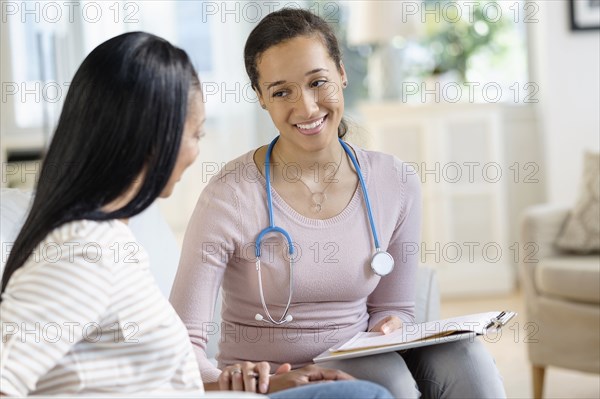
454, 39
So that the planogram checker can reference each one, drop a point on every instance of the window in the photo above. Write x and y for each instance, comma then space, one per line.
410, 48
194, 35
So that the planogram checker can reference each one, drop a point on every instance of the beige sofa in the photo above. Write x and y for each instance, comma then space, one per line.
562, 298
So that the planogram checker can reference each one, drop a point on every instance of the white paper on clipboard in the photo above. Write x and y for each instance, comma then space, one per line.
417, 335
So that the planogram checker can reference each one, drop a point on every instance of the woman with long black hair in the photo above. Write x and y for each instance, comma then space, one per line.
80, 310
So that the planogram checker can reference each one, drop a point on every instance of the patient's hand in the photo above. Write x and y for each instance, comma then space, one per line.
248, 376
387, 325
305, 375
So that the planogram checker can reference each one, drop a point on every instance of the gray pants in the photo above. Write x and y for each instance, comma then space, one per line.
462, 369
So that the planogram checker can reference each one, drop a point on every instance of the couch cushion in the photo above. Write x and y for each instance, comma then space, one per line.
575, 278
14, 204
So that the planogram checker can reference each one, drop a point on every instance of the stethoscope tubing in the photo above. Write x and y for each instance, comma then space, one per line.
363, 187
272, 228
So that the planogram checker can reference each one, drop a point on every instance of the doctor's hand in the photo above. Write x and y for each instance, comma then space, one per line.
305, 375
248, 376
387, 325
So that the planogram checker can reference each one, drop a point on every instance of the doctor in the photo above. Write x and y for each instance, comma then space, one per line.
305, 236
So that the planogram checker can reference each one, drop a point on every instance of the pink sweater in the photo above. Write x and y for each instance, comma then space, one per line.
336, 294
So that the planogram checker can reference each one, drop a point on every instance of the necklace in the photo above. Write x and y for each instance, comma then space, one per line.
318, 197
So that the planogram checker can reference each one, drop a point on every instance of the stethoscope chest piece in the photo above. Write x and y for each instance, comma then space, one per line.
382, 263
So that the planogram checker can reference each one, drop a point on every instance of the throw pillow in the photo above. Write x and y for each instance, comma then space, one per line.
581, 231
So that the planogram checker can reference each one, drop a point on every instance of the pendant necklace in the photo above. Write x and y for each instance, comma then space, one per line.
318, 197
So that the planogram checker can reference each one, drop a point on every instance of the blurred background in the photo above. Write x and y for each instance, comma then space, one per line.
495, 104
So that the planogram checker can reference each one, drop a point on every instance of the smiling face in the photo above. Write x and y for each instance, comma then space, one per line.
301, 88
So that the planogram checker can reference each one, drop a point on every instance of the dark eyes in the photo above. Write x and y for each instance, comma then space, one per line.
199, 134
313, 85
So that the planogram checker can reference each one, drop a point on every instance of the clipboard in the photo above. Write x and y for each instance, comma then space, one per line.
418, 335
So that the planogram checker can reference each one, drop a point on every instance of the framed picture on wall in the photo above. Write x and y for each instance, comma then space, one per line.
585, 14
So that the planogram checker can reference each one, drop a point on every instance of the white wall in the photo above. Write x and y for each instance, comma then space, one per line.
566, 66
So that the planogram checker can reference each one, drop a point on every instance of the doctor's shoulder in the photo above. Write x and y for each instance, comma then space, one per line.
232, 173
391, 169
235, 180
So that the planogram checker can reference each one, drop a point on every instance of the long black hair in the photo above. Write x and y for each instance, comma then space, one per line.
283, 25
124, 114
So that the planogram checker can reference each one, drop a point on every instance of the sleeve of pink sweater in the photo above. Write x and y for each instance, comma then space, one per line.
202, 265
395, 293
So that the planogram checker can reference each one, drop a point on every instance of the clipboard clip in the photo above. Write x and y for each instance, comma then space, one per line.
501, 320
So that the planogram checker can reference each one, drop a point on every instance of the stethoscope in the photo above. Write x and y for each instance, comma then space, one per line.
382, 262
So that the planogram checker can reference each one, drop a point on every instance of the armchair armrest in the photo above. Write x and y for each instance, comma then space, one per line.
540, 225
428, 295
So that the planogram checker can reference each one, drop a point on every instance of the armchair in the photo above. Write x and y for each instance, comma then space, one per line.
562, 298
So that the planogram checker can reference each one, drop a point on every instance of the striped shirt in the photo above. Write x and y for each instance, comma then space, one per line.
84, 315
